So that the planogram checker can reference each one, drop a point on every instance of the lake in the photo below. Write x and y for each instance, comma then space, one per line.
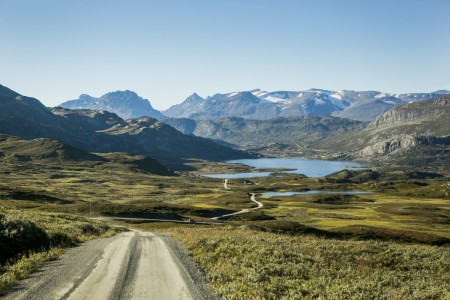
308, 167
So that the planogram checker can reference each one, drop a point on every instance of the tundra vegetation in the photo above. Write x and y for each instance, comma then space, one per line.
392, 243
243, 264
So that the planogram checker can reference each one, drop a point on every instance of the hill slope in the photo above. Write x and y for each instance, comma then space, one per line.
51, 152
43, 150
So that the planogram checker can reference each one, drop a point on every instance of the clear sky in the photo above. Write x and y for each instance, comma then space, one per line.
165, 50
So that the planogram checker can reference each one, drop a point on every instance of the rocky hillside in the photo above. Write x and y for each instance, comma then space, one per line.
413, 133
432, 110
99, 131
126, 104
261, 105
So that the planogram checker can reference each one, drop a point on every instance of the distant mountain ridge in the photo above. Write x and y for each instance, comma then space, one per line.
247, 132
126, 104
257, 104
261, 105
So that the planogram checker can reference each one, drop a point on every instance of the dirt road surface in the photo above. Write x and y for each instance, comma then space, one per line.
243, 211
131, 265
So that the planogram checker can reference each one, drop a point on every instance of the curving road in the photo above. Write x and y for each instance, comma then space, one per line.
243, 211
225, 184
131, 265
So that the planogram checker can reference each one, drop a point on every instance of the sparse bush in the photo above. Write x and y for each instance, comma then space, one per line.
63, 240
27, 239
19, 237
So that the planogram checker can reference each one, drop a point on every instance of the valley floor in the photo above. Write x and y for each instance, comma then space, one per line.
391, 244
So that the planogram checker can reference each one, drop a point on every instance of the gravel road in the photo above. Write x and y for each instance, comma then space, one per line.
243, 211
131, 265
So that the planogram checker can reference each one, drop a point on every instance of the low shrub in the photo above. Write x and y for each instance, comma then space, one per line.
18, 237
243, 264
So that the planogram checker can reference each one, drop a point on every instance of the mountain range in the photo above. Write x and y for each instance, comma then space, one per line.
257, 104
413, 132
102, 131
261, 105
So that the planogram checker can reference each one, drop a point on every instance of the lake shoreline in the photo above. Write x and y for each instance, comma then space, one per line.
264, 167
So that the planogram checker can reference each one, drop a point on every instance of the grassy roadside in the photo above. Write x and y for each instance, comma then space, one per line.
244, 264
30, 238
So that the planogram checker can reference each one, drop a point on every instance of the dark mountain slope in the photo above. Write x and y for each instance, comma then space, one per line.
26, 117
4, 91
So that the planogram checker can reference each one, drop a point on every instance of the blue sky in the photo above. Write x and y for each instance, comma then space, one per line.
165, 50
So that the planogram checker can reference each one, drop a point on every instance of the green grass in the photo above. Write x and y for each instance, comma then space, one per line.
417, 205
25, 265
243, 264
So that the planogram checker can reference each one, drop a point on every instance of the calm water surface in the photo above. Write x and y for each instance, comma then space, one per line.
308, 167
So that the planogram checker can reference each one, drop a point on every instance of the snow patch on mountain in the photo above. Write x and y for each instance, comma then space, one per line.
381, 95
259, 93
390, 102
337, 95
319, 101
273, 99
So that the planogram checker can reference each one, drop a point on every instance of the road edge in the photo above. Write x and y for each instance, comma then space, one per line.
192, 273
